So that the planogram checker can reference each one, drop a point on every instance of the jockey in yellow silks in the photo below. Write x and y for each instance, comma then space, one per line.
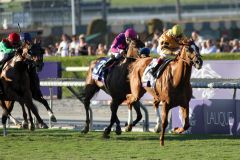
169, 44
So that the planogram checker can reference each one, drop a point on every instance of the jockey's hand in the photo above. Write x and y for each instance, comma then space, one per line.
123, 52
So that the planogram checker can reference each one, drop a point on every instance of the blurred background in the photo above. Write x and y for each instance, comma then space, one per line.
95, 23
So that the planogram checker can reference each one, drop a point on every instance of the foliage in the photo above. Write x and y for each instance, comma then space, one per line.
85, 60
69, 144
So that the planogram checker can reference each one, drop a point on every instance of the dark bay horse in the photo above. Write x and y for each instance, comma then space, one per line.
35, 65
116, 85
16, 85
172, 88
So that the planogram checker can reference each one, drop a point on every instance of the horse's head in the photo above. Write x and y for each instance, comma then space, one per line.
133, 48
191, 54
34, 53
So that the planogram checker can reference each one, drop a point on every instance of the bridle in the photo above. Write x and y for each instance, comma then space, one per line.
190, 60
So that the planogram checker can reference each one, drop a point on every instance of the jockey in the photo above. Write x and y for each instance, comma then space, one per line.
119, 46
144, 52
169, 45
8, 46
26, 37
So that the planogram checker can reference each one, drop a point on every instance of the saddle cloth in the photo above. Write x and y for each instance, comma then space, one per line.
97, 70
147, 79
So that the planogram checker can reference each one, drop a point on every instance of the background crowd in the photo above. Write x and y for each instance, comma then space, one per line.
77, 45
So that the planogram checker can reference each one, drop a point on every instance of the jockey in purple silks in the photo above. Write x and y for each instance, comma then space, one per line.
119, 46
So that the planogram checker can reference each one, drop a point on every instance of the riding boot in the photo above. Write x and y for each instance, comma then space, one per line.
108, 63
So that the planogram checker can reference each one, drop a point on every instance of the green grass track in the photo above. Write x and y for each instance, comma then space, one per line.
69, 144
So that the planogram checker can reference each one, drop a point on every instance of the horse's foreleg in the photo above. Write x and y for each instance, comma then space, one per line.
118, 126
90, 90
31, 126
136, 106
185, 118
157, 128
45, 103
164, 113
114, 107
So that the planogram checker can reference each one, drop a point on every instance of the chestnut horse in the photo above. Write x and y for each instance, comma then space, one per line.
16, 85
172, 88
116, 85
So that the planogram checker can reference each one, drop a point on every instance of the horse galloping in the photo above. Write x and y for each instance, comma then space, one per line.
36, 64
172, 88
15, 81
116, 84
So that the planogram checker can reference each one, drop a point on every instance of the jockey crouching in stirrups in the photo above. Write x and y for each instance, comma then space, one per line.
168, 46
119, 46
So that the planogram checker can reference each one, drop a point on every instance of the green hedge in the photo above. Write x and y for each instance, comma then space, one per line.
85, 60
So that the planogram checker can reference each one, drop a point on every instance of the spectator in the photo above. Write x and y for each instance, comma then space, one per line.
210, 47
203, 48
154, 48
197, 38
90, 50
73, 47
63, 46
235, 46
48, 52
101, 50
82, 46
224, 45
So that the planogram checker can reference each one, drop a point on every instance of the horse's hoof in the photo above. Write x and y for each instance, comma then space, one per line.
43, 126
24, 125
177, 130
19, 125
4, 134
53, 118
126, 124
118, 130
157, 129
161, 143
85, 130
107, 131
106, 136
128, 128
31, 127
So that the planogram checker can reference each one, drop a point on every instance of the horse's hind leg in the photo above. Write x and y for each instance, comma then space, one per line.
25, 120
32, 107
4, 121
45, 103
114, 107
185, 117
89, 92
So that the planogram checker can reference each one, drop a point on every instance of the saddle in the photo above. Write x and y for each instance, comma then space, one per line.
161, 68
